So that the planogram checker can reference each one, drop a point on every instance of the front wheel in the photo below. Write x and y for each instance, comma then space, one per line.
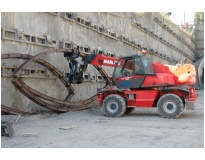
114, 106
170, 106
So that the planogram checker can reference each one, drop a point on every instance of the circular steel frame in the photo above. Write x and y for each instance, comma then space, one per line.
38, 97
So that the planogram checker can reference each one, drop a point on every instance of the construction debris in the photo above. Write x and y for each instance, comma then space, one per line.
18, 118
6, 129
30, 134
68, 128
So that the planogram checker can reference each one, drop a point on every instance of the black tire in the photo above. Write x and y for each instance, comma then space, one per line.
170, 106
129, 110
114, 106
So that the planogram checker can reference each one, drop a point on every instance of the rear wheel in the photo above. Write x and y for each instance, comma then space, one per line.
129, 110
170, 106
114, 106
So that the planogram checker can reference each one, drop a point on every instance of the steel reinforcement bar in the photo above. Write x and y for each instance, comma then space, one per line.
14, 111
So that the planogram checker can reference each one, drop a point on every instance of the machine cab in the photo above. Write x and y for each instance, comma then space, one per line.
131, 71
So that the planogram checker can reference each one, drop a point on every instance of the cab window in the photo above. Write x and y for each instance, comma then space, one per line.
147, 65
138, 66
124, 68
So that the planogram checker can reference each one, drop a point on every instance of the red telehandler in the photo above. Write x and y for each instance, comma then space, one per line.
136, 82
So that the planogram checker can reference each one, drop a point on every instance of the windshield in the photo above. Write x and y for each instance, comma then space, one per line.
124, 68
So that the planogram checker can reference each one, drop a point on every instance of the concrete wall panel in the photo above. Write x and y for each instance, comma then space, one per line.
40, 24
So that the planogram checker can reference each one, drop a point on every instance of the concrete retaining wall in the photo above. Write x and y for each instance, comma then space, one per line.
115, 33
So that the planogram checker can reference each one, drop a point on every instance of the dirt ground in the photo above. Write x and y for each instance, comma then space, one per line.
144, 128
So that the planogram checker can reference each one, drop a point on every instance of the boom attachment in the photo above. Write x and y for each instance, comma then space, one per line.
77, 69
136, 69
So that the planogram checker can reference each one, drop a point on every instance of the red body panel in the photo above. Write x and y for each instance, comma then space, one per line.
160, 79
141, 98
100, 59
183, 75
192, 94
146, 98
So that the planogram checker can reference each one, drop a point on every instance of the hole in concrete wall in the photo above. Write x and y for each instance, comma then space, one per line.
86, 77
95, 26
9, 34
40, 40
93, 78
33, 71
82, 49
100, 78
78, 19
9, 70
86, 49
95, 51
87, 23
151, 50
40, 72
112, 34
100, 29
26, 72
124, 39
67, 45
27, 37
53, 41
33, 39
132, 42
139, 25
68, 15
155, 18
82, 21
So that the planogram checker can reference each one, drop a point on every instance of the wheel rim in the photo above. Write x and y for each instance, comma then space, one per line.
112, 106
170, 106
